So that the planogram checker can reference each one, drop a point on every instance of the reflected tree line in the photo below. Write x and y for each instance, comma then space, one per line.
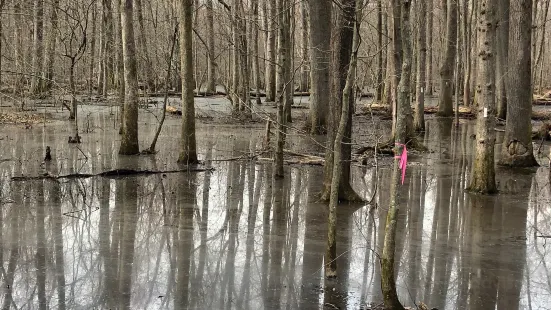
238, 238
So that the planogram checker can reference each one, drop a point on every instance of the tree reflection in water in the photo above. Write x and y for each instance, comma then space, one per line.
235, 238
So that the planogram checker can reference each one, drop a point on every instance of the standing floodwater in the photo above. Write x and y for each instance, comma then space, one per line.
235, 238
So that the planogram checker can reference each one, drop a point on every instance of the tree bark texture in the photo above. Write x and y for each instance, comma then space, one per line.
49, 61
270, 78
419, 117
188, 145
483, 173
38, 46
517, 149
142, 40
502, 65
211, 73
445, 98
341, 45
320, 59
129, 139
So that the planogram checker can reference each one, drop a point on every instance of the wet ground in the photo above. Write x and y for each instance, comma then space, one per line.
234, 238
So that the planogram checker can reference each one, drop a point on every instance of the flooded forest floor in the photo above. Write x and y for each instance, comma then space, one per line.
234, 237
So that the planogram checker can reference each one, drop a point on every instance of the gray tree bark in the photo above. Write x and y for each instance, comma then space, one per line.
129, 139
188, 144
49, 61
517, 149
211, 73
419, 117
445, 98
304, 84
142, 42
483, 173
38, 46
270, 79
320, 59
502, 65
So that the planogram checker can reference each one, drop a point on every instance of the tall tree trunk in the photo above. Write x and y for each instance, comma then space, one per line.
445, 98
304, 47
517, 149
320, 58
142, 40
502, 65
106, 62
430, 47
388, 277
188, 145
18, 46
483, 174
467, 39
38, 47
396, 59
380, 53
49, 61
254, 25
92, 52
270, 79
211, 73
419, 118
348, 91
129, 141
117, 54
285, 87
341, 44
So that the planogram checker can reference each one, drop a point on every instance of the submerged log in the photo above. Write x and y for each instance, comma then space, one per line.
117, 173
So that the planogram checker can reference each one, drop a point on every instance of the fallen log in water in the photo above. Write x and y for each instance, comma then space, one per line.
117, 173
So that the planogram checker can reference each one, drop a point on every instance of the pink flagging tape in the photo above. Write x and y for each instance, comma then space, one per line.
403, 161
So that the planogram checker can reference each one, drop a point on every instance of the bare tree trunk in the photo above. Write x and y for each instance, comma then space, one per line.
539, 61
92, 52
18, 46
254, 25
106, 64
467, 39
38, 47
270, 79
348, 91
320, 58
304, 51
419, 118
502, 65
445, 98
430, 47
517, 149
341, 44
129, 141
388, 277
211, 73
49, 62
119, 60
380, 53
142, 42
285, 87
483, 174
188, 146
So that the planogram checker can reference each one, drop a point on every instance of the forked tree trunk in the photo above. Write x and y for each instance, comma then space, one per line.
320, 57
129, 140
419, 118
483, 174
188, 145
445, 98
517, 149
